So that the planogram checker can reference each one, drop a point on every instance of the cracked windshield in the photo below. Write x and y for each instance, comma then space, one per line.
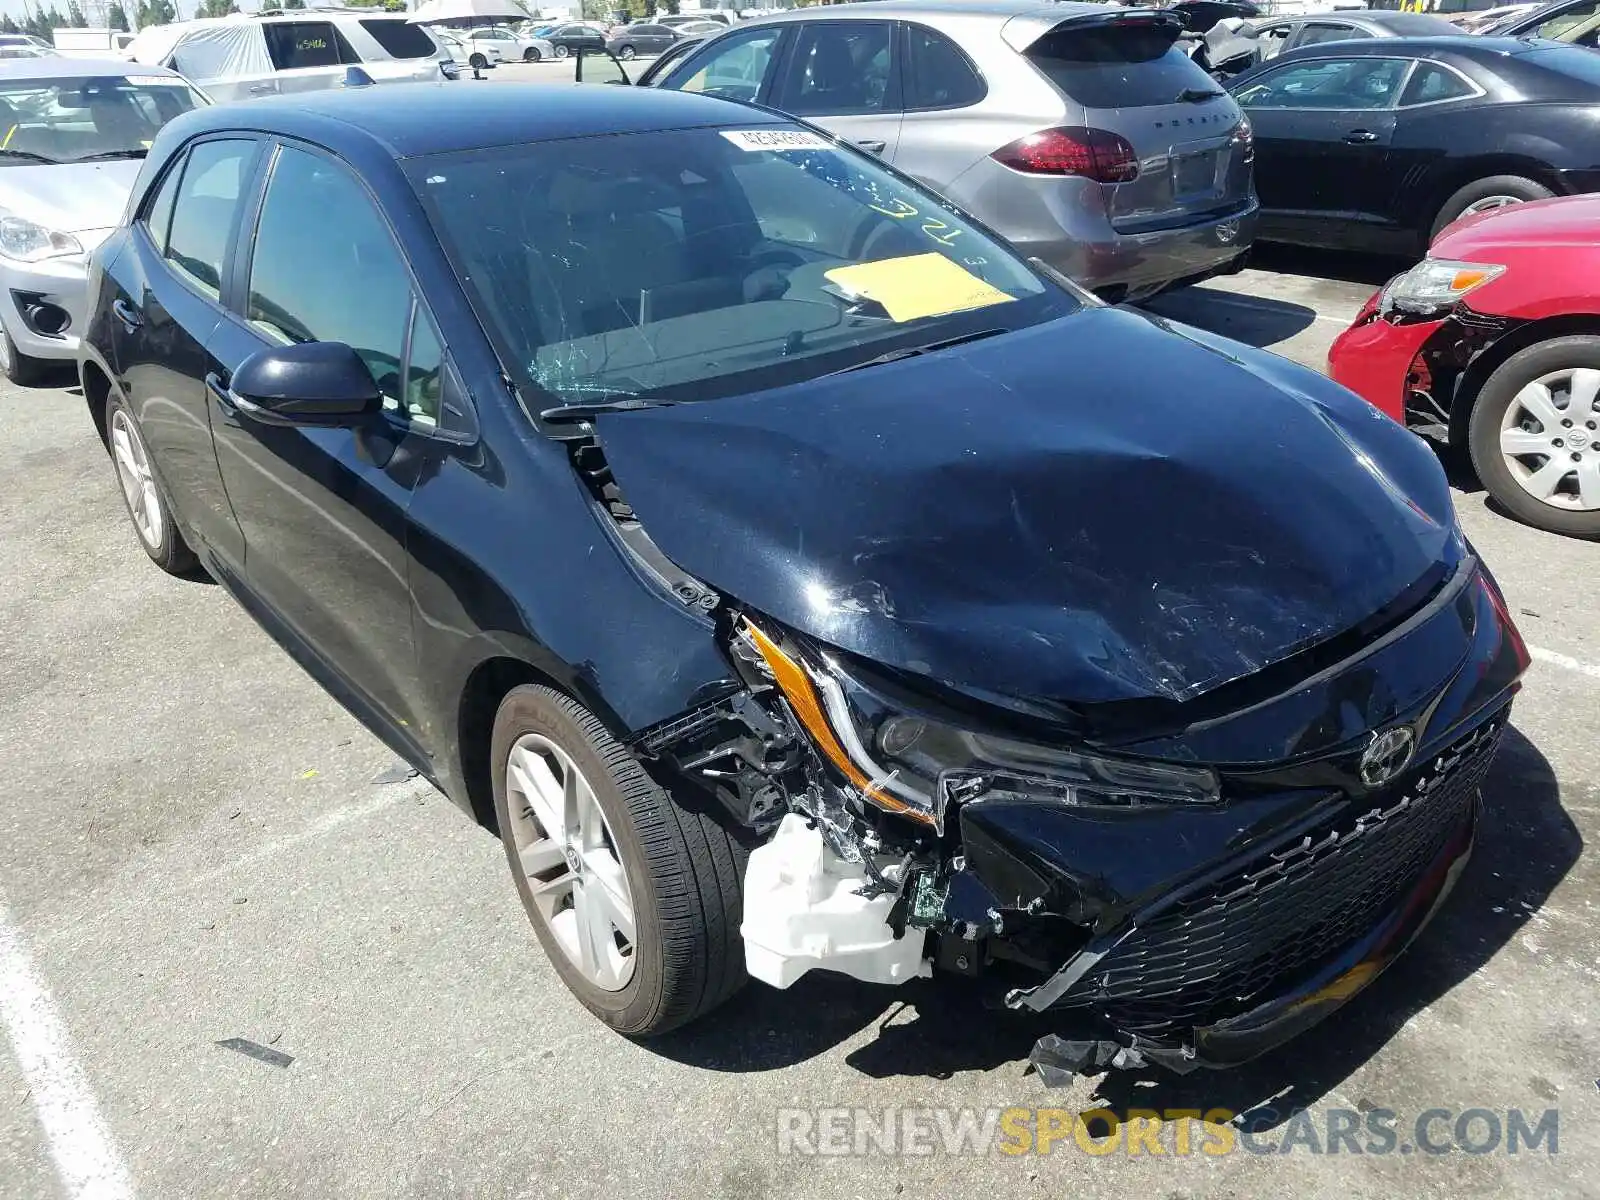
709, 262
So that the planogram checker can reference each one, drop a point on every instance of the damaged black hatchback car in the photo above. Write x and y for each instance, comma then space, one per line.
794, 576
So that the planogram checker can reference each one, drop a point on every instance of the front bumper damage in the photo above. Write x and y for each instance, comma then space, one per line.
1183, 936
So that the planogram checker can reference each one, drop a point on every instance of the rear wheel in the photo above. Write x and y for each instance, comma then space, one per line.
1482, 195
531, 54
147, 504
478, 62
561, 51
1535, 436
635, 898
626, 53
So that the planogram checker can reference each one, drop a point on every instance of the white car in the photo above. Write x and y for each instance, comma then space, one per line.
243, 57
512, 46
75, 133
470, 54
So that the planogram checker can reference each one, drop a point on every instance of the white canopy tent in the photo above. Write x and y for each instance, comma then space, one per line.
438, 12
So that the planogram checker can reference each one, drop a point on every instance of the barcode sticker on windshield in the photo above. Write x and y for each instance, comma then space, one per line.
776, 139
154, 81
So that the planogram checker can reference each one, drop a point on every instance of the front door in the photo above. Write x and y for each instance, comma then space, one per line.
845, 76
323, 510
168, 300
1322, 132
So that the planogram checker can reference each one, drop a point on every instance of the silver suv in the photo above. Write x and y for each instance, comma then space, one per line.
1079, 132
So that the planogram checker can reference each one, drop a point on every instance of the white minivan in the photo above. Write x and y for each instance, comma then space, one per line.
242, 57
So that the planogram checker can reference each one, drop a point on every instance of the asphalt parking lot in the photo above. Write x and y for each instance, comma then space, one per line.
200, 845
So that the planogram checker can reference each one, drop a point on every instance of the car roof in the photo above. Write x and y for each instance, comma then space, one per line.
1465, 45
882, 9
413, 119
53, 67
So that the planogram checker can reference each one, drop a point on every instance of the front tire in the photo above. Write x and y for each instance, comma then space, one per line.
148, 507
626, 53
1482, 195
635, 898
21, 369
561, 51
1534, 435
478, 62
531, 54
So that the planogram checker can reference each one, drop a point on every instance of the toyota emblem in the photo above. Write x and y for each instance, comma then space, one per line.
1388, 755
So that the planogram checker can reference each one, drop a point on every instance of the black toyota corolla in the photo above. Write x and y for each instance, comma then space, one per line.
794, 576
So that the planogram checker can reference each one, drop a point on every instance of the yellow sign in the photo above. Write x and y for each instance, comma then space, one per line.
919, 285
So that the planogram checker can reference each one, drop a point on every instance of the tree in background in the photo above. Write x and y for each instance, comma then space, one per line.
216, 8
156, 12
117, 17
294, 3
75, 15
7, 25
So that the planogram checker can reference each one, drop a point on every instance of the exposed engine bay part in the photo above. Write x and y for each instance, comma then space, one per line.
807, 908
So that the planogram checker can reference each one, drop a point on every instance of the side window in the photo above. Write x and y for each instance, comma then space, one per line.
206, 202
338, 278
941, 75
732, 68
424, 370
1329, 83
1319, 31
158, 210
1431, 83
1272, 39
839, 67
295, 44
1555, 26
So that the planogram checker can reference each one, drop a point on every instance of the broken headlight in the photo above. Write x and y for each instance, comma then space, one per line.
915, 765
1435, 284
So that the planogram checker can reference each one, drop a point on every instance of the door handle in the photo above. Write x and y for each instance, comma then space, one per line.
125, 313
260, 89
1360, 137
872, 145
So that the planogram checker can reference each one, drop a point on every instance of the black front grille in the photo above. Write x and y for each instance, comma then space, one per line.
1255, 934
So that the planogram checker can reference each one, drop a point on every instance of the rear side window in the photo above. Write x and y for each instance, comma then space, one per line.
296, 44
203, 213
941, 76
400, 39
1117, 66
1431, 83
1317, 32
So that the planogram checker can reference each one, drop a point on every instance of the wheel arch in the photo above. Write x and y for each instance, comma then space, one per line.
1454, 176
96, 394
1477, 372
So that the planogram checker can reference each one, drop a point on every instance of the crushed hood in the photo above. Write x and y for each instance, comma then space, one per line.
70, 197
1100, 508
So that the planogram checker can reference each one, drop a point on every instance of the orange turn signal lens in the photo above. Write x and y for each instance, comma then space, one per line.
794, 681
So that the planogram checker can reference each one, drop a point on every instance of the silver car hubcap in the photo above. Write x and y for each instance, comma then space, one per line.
133, 472
566, 851
1488, 203
1550, 439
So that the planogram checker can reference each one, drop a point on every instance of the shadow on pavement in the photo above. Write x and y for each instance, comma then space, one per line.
1346, 265
1526, 845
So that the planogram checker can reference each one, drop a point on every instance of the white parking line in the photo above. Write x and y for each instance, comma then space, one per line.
86, 1158
1565, 661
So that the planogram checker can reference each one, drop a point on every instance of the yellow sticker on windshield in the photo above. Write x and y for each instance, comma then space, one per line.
919, 285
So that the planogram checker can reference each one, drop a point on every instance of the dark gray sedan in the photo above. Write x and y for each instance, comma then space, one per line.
643, 38
1290, 33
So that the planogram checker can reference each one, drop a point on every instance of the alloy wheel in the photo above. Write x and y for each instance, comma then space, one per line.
566, 849
1489, 203
138, 485
1550, 439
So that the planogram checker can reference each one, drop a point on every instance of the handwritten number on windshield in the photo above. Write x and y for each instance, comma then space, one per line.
933, 227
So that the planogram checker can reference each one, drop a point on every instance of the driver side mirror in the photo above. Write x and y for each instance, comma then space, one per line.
313, 383
606, 68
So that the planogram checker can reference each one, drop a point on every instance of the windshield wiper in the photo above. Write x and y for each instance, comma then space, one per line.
568, 413
108, 155
1195, 95
913, 351
30, 156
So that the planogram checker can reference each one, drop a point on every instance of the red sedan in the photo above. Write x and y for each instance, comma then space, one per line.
1492, 343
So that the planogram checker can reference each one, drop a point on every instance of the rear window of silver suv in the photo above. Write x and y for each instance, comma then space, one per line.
1117, 66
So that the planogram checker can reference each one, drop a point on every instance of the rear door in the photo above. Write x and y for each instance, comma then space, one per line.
736, 66
1322, 131
309, 55
1125, 75
845, 76
944, 128
168, 302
